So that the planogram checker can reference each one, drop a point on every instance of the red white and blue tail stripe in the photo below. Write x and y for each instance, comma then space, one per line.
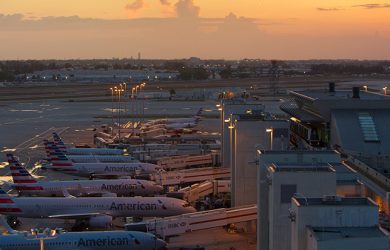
58, 159
18, 172
7, 204
198, 115
58, 141
23, 180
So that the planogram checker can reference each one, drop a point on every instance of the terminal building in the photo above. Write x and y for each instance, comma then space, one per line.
257, 149
336, 223
228, 107
245, 127
355, 122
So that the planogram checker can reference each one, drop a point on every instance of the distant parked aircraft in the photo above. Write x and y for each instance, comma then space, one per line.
26, 184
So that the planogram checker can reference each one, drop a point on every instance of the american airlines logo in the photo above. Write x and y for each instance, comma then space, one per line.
121, 186
120, 169
103, 242
133, 206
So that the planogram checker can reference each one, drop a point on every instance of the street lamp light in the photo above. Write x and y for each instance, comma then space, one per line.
126, 97
271, 132
135, 101
365, 88
385, 90
112, 109
47, 234
143, 101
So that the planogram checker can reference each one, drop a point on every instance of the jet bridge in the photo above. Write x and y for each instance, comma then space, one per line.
177, 225
178, 177
195, 192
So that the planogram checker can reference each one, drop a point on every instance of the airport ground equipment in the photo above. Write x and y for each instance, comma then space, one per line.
178, 177
177, 225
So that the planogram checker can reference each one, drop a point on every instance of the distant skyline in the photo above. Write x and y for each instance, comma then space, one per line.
210, 29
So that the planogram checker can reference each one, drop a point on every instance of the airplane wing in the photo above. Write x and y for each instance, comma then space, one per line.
67, 194
97, 194
105, 176
74, 216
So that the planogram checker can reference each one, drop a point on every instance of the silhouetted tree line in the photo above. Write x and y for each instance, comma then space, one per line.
9, 69
347, 69
193, 74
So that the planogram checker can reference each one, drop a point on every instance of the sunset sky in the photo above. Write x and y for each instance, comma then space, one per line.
231, 29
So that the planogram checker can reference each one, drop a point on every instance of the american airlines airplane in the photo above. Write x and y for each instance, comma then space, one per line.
90, 158
181, 125
59, 161
60, 240
85, 151
27, 185
191, 120
94, 211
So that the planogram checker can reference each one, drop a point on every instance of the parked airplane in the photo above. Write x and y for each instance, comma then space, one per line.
181, 125
94, 211
26, 184
90, 158
85, 151
60, 161
60, 240
193, 119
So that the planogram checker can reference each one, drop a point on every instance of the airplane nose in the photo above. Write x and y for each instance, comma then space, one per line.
161, 245
158, 188
190, 210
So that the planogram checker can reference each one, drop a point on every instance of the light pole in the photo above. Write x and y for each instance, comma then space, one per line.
136, 100
143, 101
119, 110
117, 107
46, 235
232, 162
126, 97
132, 108
112, 110
271, 133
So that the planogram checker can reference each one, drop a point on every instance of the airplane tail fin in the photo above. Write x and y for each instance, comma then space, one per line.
19, 173
198, 115
58, 141
7, 204
46, 143
58, 158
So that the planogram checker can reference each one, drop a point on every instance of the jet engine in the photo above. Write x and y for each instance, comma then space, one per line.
100, 221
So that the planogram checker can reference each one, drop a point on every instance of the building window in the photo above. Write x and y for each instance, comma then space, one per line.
286, 192
368, 127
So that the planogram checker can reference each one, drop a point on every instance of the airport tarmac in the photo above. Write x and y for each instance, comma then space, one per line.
22, 122
214, 239
24, 126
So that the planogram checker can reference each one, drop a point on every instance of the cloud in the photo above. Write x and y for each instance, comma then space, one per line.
231, 37
187, 9
329, 9
373, 6
165, 2
136, 5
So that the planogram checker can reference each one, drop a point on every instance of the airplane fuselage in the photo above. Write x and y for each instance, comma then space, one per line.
120, 187
118, 240
109, 169
112, 206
